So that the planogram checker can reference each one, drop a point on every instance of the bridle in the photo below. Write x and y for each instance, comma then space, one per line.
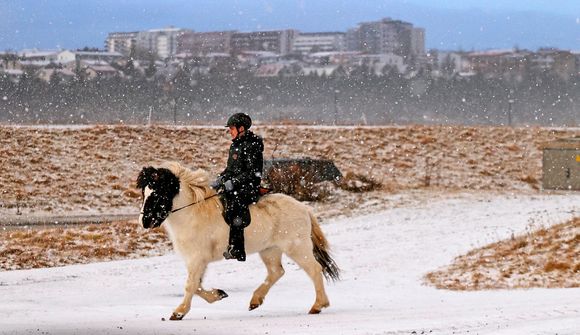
191, 204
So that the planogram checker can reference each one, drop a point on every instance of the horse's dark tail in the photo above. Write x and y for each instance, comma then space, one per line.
329, 267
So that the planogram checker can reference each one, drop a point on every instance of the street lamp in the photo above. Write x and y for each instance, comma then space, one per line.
510, 103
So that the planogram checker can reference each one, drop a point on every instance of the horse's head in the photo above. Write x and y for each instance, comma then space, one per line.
159, 187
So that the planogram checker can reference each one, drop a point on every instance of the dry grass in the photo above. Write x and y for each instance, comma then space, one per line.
38, 248
358, 183
60, 170
543, 258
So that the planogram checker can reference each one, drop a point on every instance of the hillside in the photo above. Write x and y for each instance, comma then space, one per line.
84, 170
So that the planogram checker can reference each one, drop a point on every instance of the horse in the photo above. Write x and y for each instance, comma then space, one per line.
191, 212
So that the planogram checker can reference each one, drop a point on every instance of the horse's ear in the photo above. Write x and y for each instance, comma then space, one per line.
146, 176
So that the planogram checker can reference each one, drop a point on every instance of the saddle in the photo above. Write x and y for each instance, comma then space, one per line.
261, 192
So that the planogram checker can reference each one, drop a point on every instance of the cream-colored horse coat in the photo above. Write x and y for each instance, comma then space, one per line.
280, 224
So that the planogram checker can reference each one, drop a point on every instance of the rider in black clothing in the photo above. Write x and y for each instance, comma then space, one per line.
240, 181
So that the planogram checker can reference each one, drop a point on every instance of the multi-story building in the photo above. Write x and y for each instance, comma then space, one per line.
204, 43
121, 42
418, 42
97, 56
306, 43
560, 62
160, 42
277, 41
353, 40
576, 55
493, 63
37, 58
387, 36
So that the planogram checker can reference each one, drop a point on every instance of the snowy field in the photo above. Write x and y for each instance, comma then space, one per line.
383, 256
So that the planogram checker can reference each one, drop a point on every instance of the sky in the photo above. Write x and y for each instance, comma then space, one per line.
449, 24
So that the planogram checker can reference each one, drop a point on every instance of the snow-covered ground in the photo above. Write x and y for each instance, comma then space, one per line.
383, 257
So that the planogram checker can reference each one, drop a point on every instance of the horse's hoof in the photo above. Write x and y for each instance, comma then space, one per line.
317, 310
255, 303
314, 311
221, 294
176, 316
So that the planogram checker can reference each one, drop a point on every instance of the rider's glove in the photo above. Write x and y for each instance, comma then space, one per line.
218, 183
229, 185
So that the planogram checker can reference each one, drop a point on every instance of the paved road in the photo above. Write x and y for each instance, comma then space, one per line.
18, 221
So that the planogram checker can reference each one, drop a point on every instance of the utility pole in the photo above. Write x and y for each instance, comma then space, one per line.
510, 105
336, 106
174, 103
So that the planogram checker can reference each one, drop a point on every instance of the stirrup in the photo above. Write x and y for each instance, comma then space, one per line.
229, 254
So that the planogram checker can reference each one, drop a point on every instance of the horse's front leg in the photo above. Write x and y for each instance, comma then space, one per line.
211, 296
195, 271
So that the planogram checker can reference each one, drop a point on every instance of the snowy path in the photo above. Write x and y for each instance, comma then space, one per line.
383, 257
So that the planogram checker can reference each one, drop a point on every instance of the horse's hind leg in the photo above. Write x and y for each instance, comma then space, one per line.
303, 256
272, 258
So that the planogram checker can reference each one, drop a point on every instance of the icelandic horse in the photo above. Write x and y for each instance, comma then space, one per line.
191, 213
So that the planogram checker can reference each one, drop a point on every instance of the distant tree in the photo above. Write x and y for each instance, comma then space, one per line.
55, 79
151, 69
226, 67
339, 72
448, 67
129, 68
389, 70
81, 74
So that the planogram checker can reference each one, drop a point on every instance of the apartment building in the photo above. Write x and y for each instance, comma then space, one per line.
37, 58
121, 42
306, 43
160, 42
496, 63
387, 36
277, 41
204, 43
560, 62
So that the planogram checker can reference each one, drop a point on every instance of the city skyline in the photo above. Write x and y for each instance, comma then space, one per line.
449, 25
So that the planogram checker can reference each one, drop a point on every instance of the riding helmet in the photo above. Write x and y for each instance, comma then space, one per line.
240, 119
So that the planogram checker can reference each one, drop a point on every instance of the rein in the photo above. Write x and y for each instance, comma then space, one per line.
193, 203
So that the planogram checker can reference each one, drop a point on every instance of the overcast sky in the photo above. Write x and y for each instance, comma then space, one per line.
449, 24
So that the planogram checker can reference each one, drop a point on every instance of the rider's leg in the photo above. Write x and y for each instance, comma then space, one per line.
238, 217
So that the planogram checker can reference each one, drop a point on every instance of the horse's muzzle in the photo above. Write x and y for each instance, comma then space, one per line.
152, 220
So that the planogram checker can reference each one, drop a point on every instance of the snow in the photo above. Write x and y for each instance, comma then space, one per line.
383, 256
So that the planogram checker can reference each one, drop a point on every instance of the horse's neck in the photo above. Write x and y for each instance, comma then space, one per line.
205, 203
199, 221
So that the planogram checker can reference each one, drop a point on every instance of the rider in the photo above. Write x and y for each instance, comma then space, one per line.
240, 181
